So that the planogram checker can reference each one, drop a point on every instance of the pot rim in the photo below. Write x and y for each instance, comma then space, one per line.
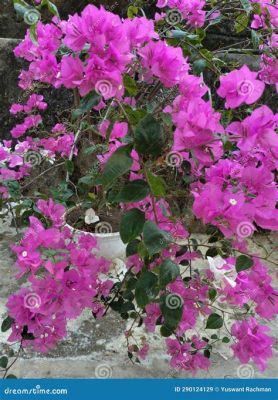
97, 235
100, 235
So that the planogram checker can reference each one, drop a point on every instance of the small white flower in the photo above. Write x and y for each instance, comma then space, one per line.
233, 202
91, 217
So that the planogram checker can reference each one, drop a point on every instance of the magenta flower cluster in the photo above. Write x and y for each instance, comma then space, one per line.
61, 285
232, 188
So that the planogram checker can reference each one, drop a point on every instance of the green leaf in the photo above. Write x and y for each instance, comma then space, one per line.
246, 5
130, 85
7, 324
225, 339
14, 188
86, 180
214, 321
148, 137
87, 103
142, 250
128, 306
146, 289
131, 283
131, 225
168, 272
226, 118
69, 166
195, 244
154, 238
171, 306
241, 23
167, 119
157, 184
243, 263
165, 331
52, 8
256, 37
21, 7
132, 11
212, 294
199, 66
27, 335
133, 191
118, 164
96, 148
257, 9
134, 116
206, 54
212, 252
178, 34
4, 362
33, 33
132, 247
207, 353
201, 34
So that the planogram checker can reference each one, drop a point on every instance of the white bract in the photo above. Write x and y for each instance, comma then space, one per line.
216, 265
90, 216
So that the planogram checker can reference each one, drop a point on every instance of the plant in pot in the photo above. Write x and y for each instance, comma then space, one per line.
162, 144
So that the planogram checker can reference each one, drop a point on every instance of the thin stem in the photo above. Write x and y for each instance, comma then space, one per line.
76, 138
43, 173
15, 360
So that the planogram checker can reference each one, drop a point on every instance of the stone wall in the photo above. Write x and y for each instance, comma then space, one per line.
13, 27
9, 91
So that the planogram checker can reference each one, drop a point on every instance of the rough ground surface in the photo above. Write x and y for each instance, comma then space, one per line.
94, 346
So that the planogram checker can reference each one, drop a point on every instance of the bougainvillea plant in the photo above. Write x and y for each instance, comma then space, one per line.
175, 128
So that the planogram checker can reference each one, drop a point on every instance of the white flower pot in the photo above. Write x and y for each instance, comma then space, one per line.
110, 245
